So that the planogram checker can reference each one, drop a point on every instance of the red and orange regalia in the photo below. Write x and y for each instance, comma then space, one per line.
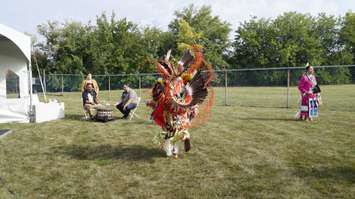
178, 95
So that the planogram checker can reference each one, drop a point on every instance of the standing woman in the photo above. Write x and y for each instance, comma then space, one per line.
310, 91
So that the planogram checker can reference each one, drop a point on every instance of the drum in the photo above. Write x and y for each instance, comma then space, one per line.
104, 114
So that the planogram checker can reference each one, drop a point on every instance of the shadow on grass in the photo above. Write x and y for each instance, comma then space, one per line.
329, 174
109, 152
141, 121
264, 106
75, 117
268, 119
81, 117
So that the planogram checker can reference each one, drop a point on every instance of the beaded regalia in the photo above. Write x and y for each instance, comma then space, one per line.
177, 97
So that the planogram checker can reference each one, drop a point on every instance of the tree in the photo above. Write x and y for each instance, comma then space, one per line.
347, 36
292, 39
115, 46
200, 26
347, 33
65, 46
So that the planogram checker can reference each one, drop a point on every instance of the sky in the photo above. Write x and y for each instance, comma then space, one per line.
25, 15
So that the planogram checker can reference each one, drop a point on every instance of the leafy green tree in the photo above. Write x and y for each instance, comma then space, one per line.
205, 29
155, 43
292, 39
115, 46
347, 36
347, 33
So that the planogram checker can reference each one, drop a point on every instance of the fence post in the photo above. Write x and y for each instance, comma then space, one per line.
140, 85
62, 85
288, 88
109, 88
225, 87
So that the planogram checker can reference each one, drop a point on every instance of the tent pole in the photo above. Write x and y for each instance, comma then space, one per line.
40, 79
44, 80
31, 111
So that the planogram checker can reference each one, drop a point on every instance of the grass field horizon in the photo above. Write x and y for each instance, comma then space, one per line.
253, 148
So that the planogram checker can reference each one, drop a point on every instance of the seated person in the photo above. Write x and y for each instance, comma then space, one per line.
90, 101
90, 80
128, 102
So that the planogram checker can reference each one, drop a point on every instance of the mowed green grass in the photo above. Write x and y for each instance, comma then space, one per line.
250, 149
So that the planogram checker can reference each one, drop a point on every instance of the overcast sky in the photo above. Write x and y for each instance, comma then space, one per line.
25, 15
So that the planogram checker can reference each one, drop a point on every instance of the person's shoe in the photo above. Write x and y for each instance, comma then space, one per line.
303, 117
187, 145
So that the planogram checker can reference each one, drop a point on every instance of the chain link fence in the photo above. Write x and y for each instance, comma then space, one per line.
252, 87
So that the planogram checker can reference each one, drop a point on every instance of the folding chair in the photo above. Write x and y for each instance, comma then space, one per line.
86, 114
133, 111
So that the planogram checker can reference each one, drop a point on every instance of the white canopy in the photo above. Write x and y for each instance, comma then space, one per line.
22, 41
15, 58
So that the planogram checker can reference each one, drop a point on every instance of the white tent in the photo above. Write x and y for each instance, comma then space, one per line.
15, 61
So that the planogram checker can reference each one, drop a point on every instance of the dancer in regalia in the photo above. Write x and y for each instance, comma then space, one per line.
177, 95
310, 95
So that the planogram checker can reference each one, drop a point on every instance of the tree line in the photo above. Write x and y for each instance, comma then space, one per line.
111, 45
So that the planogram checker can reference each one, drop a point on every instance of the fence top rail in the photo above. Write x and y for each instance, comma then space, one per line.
111, 75
283, 68
219, 70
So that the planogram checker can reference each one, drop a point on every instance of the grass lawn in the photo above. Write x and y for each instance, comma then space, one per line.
251, 149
